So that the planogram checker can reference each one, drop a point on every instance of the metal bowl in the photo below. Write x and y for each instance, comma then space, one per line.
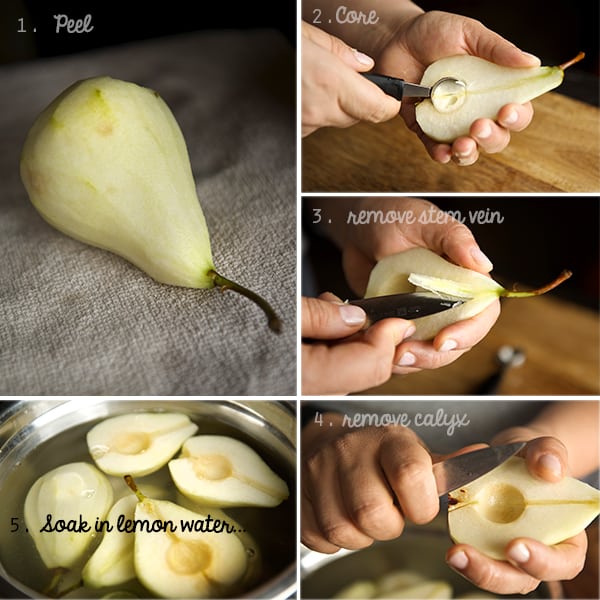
37, 436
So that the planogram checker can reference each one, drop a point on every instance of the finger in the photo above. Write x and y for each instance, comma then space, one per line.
490, 137
356, 365
310, 534
561, 561
515, 117
415, 355
410, 476
464, 151
489, 574
367, 497
325, 319
547, 458
365, 101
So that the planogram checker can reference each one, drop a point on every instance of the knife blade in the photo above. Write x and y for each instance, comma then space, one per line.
404, 306
452, 473
398, 88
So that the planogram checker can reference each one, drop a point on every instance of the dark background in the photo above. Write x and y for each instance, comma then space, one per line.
126, 21
537, 240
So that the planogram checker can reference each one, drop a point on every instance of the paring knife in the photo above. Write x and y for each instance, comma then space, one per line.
404, 306
460, 470
398, 88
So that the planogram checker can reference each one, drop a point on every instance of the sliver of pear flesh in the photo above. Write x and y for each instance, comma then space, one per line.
173, 563
112, 562
420, 269
509, 502
66, 493
138, 443
475, 88
216, 470
106, 163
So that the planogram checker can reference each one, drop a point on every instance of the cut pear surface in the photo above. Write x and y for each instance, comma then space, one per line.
420, 269
112, 562
106, 163
216, 470
474, 88
70, 493
173, 563
138, 443
509, 502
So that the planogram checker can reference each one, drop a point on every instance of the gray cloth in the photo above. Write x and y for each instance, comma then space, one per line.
76, 320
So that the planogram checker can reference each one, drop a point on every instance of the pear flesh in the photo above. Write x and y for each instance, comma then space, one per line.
106, 163
483, 89
509, 502
70, 492
112, 562
220, 471
184, 564
138, 443
420, 269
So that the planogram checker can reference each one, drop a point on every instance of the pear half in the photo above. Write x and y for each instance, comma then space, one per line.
72, 493
509, 502
106, 163
138, 443
216, 470
472, 88
174, 563
420, 269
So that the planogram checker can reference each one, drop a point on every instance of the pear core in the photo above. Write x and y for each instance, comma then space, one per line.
448, 94
213, 467
501, 503
188, 557
131, 443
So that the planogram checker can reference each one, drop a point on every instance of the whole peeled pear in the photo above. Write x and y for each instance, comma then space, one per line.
106, 163
472, 88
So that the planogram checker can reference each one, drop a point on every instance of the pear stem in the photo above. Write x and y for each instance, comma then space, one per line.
133, 487
566, 65
226, 284
542, 290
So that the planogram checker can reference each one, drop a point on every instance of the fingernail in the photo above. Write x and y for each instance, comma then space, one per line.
463, 154
363, 59
519, 553
511, 118
458, 560
550, 463
408, 332
539, 62
485, 131
481, 259
352, 315
407, 359
448, 345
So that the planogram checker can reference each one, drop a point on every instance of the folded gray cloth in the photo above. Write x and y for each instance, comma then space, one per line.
76, 320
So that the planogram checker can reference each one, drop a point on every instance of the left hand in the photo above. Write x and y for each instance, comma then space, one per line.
433, 35
529, 561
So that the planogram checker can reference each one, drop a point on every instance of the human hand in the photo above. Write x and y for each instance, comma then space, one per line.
529, 561
431, 228
361, 485
433, 35
340, 358
333, 91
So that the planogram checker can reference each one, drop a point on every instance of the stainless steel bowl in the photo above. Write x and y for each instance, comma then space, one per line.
36, 436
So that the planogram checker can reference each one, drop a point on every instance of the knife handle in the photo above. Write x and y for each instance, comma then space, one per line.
392, 86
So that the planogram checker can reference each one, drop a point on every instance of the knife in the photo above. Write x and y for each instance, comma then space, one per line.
404, 306
399, 89
452, 473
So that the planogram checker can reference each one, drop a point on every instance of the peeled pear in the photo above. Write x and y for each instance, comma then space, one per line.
216, 470
509, 502
112, 562
474, 88
74, 493
420, 269
183, 564
138, 443
106, 163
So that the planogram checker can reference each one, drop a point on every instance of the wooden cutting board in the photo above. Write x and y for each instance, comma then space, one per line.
558, 152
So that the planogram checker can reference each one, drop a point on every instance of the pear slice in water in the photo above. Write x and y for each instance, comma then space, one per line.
174, 563
420, 269
473, 88
216, 470
67, 493
112, 562
106, 163
138, 443
508, 502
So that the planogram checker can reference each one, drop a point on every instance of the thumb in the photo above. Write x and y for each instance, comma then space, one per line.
330, 319
547, 458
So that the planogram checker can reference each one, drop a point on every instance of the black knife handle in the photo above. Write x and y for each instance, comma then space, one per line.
392, 86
